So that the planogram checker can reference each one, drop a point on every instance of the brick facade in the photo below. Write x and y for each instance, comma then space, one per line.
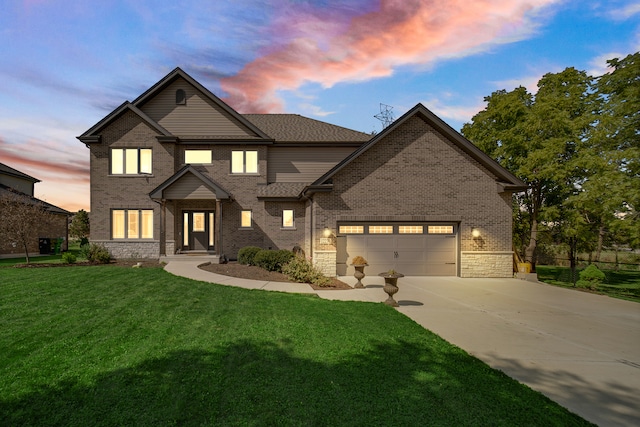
416, 172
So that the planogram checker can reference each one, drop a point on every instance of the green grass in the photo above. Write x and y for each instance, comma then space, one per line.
108, 345
624, 284
74, 247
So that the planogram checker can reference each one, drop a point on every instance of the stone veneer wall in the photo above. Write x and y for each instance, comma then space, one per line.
325, 261
486, 264
131, 249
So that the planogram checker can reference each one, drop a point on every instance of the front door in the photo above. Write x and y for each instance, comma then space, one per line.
198, 230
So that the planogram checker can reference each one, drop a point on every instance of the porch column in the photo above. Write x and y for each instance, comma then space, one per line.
218, 227
163, 227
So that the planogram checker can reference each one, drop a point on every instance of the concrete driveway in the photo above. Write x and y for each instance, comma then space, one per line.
579, 349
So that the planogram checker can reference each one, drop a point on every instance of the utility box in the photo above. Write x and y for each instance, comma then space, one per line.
44, 244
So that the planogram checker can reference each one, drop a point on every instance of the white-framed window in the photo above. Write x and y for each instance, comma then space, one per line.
411, 229
246, 219
440, 229
131, 161
351, 229
381, 229
195, 157
132, 224
244, 162
287, 218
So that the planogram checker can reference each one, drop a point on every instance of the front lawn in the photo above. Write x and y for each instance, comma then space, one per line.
108, 345
624, 284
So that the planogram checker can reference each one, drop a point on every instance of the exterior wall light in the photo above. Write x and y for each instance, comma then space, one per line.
327, 232
328, 237
475, 233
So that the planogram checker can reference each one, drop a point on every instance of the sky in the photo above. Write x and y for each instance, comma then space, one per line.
66, 64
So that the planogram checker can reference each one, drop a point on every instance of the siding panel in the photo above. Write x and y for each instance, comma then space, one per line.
302, 164
199, 116
188, 188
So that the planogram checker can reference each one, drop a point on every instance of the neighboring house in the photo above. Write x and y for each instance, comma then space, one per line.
14, 183
178, 171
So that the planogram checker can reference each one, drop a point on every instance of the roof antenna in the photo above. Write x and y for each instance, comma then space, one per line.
385, 115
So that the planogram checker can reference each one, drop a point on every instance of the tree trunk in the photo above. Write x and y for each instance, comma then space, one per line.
530, 251
26, 250
600, 241
573, 243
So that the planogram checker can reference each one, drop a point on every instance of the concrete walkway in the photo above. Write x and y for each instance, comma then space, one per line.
579, 349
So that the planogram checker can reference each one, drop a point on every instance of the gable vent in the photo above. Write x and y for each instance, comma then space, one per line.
181, 97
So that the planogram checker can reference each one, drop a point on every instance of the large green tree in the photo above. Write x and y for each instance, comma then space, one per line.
617, 133
80, 225
536, 137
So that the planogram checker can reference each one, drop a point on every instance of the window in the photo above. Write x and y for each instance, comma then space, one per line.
440, 229
197, 156
244, 162
411, 229
287, 218
132, 224
381, 229
198, 222
130, 161
245, 219
351, 229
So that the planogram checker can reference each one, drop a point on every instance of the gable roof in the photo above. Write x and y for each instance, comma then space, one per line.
294, 128
507, 180
92, 135
220, 193
7, 170
179, 73
5, 190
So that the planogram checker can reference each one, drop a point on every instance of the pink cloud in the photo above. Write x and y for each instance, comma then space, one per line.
372, 45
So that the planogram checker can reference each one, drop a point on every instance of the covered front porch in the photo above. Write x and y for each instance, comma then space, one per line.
190, 215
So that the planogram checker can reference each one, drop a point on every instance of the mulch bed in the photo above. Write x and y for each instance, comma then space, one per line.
234, 269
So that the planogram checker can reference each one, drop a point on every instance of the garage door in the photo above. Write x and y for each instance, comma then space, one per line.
412, 254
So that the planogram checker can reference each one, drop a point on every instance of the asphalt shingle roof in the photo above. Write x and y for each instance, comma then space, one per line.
297, 128
281, 189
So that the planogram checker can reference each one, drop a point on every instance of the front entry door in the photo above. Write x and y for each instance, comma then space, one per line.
198, 230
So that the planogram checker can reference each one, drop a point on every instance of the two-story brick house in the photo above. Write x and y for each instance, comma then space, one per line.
178, 171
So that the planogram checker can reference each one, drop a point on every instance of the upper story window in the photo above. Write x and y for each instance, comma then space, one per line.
244, 162
181, 97
197, 156
130, 161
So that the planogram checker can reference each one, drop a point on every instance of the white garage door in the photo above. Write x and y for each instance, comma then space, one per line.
426, 254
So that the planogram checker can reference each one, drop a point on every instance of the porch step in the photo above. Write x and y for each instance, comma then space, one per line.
202, 257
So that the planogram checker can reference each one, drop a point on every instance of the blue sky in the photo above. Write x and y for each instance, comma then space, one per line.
67, 64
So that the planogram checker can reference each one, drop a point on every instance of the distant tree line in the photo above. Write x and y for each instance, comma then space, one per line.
576, 144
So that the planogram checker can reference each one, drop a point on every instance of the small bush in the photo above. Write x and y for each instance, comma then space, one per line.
358, 260
247, 254
84, 241
590, 277
272, 260
68, 258
96, 253
303, 271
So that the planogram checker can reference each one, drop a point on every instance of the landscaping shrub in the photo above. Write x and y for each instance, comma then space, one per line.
96, 253
68, 258
247, 254
590, 277
272, 260
302, 270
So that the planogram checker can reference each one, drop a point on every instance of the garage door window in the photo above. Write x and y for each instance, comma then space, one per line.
440, 229
381, 229
351, 229
411, 229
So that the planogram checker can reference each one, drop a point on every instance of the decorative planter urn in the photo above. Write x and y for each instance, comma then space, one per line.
391, 286
359, 275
